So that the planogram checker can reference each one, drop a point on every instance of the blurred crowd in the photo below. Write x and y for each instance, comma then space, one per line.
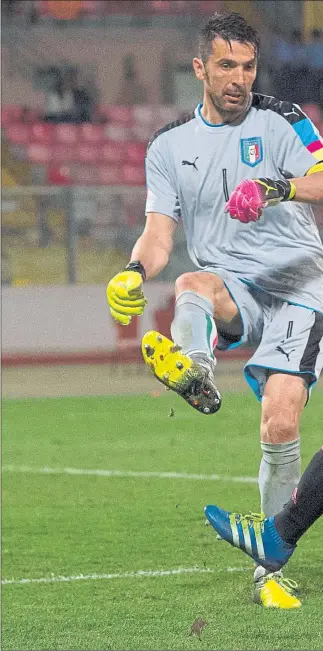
68, 100
291, 67
297, 66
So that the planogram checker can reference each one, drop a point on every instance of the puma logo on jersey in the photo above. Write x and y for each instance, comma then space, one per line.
292, 112
283, 352
187, 162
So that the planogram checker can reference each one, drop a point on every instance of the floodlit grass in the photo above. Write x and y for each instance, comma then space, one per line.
66, 525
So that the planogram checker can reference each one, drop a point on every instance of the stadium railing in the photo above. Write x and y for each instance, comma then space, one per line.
81, 234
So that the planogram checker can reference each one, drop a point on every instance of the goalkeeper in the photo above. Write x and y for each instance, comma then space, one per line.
241, 172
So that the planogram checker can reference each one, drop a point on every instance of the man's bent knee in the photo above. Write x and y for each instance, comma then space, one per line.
199, 281
280, 428
212, 287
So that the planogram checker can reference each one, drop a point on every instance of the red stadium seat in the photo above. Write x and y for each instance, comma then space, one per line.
113, 151
160, 6
134, 175
118, 114
18, 133
10, 114
41, 132
117, 132
86, 153
93, 7
172, 7
59, 175
110, 175
91, 132
39, 153
66, 133
43, 8
62, 153
136, 152
208, 7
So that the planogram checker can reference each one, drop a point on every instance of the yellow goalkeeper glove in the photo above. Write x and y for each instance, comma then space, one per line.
125, 295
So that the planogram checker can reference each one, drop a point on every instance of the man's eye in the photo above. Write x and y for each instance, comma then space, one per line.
225, 65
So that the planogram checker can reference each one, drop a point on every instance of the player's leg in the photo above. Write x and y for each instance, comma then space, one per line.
282, 404
188, 367
203, 304
305, 505
286, 363
283, 401
291, 348
272, 541
202, 300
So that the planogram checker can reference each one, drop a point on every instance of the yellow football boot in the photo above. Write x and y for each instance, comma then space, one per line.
190, 377
273, 591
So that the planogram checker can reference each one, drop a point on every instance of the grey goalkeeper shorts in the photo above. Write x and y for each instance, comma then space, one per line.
287, 338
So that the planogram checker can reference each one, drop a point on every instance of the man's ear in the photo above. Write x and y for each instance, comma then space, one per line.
198, 67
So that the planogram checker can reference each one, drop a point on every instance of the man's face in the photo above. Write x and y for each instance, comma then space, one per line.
228, 75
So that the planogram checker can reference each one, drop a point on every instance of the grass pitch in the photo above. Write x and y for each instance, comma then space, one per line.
104, 529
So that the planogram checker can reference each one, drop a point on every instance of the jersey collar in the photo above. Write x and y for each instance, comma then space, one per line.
219, 128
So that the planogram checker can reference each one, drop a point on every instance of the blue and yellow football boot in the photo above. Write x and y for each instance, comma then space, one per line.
258, 537
190, 377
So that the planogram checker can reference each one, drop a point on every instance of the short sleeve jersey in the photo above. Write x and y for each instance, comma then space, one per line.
192, 167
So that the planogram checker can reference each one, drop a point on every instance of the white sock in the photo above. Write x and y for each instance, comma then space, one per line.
279, 474
193, 327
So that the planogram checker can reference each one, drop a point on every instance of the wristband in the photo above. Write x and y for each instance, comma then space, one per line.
136, 266
278, 190
286, 188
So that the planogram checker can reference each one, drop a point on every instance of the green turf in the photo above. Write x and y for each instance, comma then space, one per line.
70, 525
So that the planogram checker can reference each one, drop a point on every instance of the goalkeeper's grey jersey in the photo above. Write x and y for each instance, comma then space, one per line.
192, 167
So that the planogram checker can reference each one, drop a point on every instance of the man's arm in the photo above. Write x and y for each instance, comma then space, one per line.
149, 256
155, 245
250, 197
309, 189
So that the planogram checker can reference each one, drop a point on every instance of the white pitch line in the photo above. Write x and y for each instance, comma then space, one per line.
126, 473
122, 575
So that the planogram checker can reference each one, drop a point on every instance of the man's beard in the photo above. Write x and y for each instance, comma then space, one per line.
229, 114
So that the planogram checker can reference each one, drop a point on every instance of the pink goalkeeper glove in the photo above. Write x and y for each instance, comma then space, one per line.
249, 198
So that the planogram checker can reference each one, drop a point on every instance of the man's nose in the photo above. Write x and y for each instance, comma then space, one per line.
238, 76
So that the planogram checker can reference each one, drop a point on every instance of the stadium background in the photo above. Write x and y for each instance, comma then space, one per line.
84, 85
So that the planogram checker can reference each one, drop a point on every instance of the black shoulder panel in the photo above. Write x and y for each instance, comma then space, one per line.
291, 112
172, 125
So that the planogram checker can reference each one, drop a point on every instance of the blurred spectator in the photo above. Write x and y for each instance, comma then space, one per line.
131, 91
68, 101
290, 63
59, 103
314, 51
83, 103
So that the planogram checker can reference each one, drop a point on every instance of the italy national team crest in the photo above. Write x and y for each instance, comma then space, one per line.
251, 151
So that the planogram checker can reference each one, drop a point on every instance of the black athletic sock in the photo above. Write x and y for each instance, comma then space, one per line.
306, 504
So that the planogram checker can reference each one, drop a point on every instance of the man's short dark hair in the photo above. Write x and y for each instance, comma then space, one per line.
229, 27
